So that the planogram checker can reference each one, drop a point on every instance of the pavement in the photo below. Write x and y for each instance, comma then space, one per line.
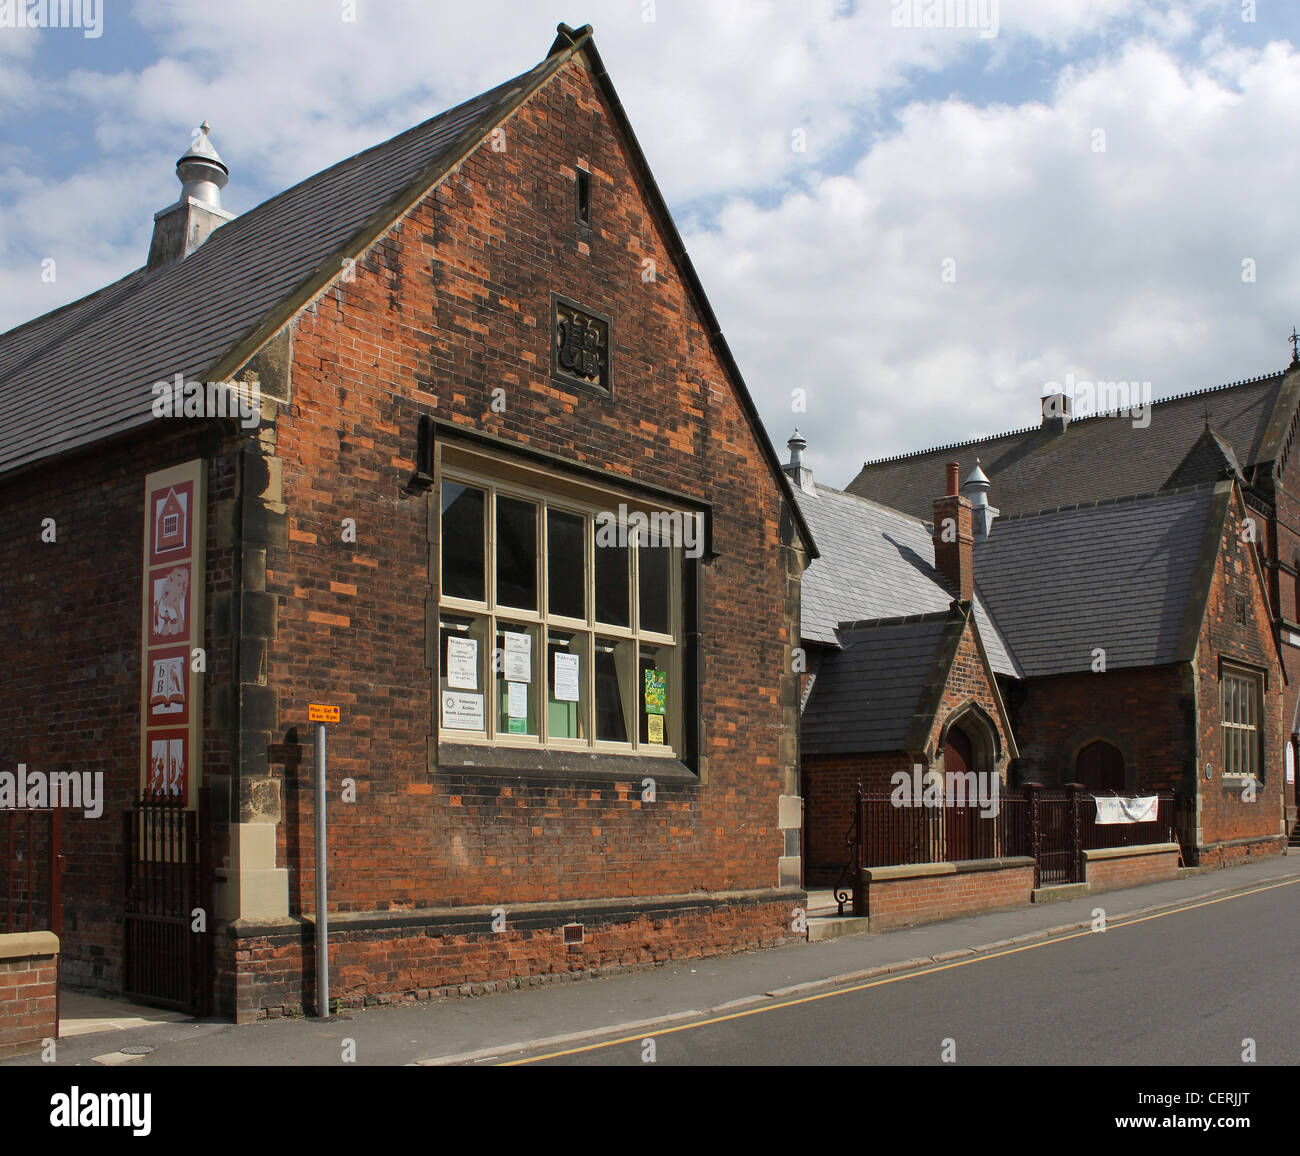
499, 1026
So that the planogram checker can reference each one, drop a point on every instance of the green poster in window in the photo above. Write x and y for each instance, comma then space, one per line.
656, 692
518, 726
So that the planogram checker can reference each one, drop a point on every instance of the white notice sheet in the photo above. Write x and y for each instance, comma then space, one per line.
519, 658
566, 677
518, 700
462, 663
462, 712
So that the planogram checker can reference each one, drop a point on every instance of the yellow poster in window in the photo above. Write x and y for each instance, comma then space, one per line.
655, 727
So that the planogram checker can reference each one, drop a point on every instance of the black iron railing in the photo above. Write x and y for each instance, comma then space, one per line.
1053, 826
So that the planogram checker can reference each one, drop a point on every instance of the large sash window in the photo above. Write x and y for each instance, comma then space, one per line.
560, 612
1241, 713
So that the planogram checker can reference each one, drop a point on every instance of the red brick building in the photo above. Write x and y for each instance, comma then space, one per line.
502, 497
1246, 430
1124, 644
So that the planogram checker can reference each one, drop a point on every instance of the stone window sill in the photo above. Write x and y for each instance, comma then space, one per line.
514, 762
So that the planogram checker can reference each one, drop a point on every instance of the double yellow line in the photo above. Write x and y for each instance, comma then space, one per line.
887, 979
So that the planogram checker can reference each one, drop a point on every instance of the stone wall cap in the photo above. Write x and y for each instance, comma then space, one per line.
960, 867
1129, 852
907, 871
22, 944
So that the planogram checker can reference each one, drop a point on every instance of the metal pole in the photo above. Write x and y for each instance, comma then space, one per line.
322, 906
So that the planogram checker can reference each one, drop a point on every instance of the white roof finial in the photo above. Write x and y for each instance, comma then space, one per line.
201, 171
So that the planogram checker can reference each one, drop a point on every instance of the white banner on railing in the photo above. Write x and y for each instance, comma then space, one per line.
1118, 810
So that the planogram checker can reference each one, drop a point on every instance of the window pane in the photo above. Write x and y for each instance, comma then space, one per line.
613, 663
655, 695
566, 565
652, 589
612, 591
517, 683
463, 654
462, 541
516, 553
567, 656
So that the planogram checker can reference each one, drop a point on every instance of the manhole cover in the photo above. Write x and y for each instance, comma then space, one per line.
136, 1050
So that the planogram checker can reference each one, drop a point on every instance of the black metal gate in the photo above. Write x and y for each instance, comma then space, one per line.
1056, 854
167, 904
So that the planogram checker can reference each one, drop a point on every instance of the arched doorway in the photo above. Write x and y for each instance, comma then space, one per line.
1100, 767
959, 758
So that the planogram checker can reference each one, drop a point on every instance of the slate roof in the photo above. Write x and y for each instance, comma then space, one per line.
877, 563
1206, 461
83, 372
1095, 457
868, 695
1129, 576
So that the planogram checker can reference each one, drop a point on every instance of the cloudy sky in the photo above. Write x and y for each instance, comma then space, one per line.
919, 227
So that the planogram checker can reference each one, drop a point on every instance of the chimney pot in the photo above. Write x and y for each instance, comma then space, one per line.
954, 472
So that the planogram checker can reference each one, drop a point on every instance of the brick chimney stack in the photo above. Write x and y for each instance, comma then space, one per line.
954, 537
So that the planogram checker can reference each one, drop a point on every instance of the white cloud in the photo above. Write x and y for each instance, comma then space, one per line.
1118, 265
824, 265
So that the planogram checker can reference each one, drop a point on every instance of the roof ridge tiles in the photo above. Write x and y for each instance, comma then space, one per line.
1073, 421
949, 446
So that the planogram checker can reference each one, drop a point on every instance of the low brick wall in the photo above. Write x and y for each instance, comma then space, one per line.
29, 991
926, 892
268, 971
1116, 867
1230, 852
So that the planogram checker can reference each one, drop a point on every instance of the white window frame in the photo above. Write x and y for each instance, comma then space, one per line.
1241, 703
552, 491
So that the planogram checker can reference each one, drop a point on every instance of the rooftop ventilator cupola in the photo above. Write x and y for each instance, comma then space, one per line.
182, 227
976, 490
795, 470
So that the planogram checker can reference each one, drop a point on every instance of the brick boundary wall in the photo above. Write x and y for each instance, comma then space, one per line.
928, 892
29, 991
1230, 852
268, 971
1114, 867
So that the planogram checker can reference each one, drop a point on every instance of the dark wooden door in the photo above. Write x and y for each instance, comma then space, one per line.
958, 757
1100, 767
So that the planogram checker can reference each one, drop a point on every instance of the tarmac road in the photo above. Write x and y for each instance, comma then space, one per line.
1177, 988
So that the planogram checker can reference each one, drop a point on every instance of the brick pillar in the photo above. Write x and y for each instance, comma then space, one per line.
954, 539
29, 991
